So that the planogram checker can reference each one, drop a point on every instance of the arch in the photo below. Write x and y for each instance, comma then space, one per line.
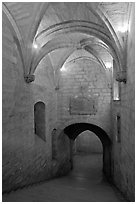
96, 60
72, 50
65, 57
98, 13
58, 42
84, 57
102, 16
39, 119
41, 9
50, 46
95, 54
16, 34
88, 42
87, 28
86, 48
73, 130
59, 28
95, 31
90, 59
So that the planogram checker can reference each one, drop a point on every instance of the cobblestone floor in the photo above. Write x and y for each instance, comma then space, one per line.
85, 183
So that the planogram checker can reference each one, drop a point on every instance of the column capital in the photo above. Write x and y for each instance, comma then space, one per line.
29, 78
121, 76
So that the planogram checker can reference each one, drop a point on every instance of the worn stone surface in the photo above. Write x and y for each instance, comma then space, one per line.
85, 183
124, 152
28, 159
85, 79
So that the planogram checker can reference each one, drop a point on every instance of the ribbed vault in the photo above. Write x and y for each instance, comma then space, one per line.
41, 28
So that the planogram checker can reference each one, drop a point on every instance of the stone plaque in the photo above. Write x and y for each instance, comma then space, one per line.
83, 106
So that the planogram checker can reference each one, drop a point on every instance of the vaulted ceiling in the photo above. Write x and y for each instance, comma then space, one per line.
67, 30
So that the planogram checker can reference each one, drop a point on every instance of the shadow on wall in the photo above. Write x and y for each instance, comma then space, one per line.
72, 131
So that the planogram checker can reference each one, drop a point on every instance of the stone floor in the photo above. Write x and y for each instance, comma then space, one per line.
85, 183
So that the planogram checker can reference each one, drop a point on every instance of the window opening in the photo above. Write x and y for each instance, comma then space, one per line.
39, 119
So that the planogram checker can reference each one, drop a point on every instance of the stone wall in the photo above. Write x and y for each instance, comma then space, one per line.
83, 78
88, 142
27, 158
123, 151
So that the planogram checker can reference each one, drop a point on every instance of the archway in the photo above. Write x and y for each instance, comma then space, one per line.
72, 131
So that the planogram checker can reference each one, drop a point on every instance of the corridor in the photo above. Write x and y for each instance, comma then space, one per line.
85, 183
68, 86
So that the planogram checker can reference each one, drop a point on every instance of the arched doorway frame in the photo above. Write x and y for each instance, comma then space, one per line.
73, 130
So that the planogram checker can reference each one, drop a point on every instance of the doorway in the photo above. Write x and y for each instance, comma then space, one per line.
87, 157
74, 130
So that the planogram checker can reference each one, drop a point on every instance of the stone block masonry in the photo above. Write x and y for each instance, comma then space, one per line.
124, 152
26, 158
85, 79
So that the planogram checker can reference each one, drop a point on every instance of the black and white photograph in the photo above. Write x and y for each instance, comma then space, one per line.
68, 101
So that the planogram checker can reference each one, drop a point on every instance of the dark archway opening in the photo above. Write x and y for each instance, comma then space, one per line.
72, 131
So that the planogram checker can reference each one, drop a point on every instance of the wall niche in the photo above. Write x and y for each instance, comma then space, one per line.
39, 120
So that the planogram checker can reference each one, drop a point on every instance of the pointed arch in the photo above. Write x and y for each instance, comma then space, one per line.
71, 51
100, 16
65, 57
73, 130
86, 48
57, 43
16, 34
41, 9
